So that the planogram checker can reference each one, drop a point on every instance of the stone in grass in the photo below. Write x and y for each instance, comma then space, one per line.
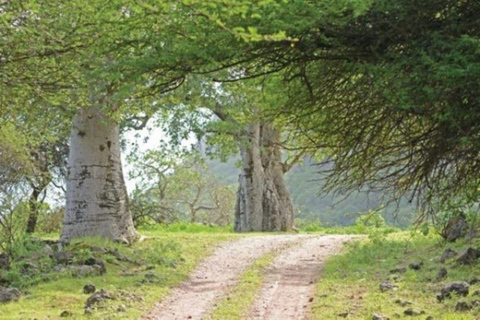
89, 288
98, 250
96, 262
377, 316
416, 265
85, 271
412, 312
461, 288
119, 256
463, 306
403, 303
447, 254
455, 228
386, 286
9, 295
442, 273
4, 261
66, 314
344, 314
121, 308
98, 297
394, 277
63, 257
399, 270
468, 256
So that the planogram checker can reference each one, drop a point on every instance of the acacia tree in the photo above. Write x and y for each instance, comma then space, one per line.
176, 185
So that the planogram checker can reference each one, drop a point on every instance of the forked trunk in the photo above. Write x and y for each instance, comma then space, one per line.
263, 201
97, 202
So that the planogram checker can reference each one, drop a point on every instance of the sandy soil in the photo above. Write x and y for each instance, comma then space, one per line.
289, 282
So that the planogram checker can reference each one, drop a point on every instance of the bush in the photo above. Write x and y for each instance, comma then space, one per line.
311, 225
50, 220
13, 217
372, 219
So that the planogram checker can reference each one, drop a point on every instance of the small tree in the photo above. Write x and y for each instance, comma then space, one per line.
177, 186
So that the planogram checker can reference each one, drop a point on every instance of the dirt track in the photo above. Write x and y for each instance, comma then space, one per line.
289, 281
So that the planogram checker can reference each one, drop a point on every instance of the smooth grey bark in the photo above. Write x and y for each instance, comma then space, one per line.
263, 201
97, 201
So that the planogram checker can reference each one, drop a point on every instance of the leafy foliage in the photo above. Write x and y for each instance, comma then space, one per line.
394, 112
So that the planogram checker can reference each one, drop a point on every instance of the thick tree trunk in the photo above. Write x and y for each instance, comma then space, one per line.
263, 201
97, 202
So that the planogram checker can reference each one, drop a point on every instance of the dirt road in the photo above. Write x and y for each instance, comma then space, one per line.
288, 286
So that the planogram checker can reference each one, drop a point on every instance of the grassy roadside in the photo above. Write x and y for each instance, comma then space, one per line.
160, 262
349, 285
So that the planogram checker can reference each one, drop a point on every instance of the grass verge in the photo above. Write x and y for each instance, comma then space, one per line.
349, 285
159, 263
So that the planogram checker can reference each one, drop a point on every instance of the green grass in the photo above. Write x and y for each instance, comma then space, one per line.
350, 281
169, 256
352, 229
187, 228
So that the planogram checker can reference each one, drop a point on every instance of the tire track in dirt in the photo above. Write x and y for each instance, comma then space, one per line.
215, 275
289, 283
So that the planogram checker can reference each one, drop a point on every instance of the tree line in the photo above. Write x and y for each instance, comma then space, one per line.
381, 93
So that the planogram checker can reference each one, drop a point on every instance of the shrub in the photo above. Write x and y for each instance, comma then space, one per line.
372, 219
13, 217
50, 220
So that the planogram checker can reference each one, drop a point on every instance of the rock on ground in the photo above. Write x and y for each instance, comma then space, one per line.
455, 228
447, 254
468, 256
98, 297
9, 295
459, 287
89, 288
385, 286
